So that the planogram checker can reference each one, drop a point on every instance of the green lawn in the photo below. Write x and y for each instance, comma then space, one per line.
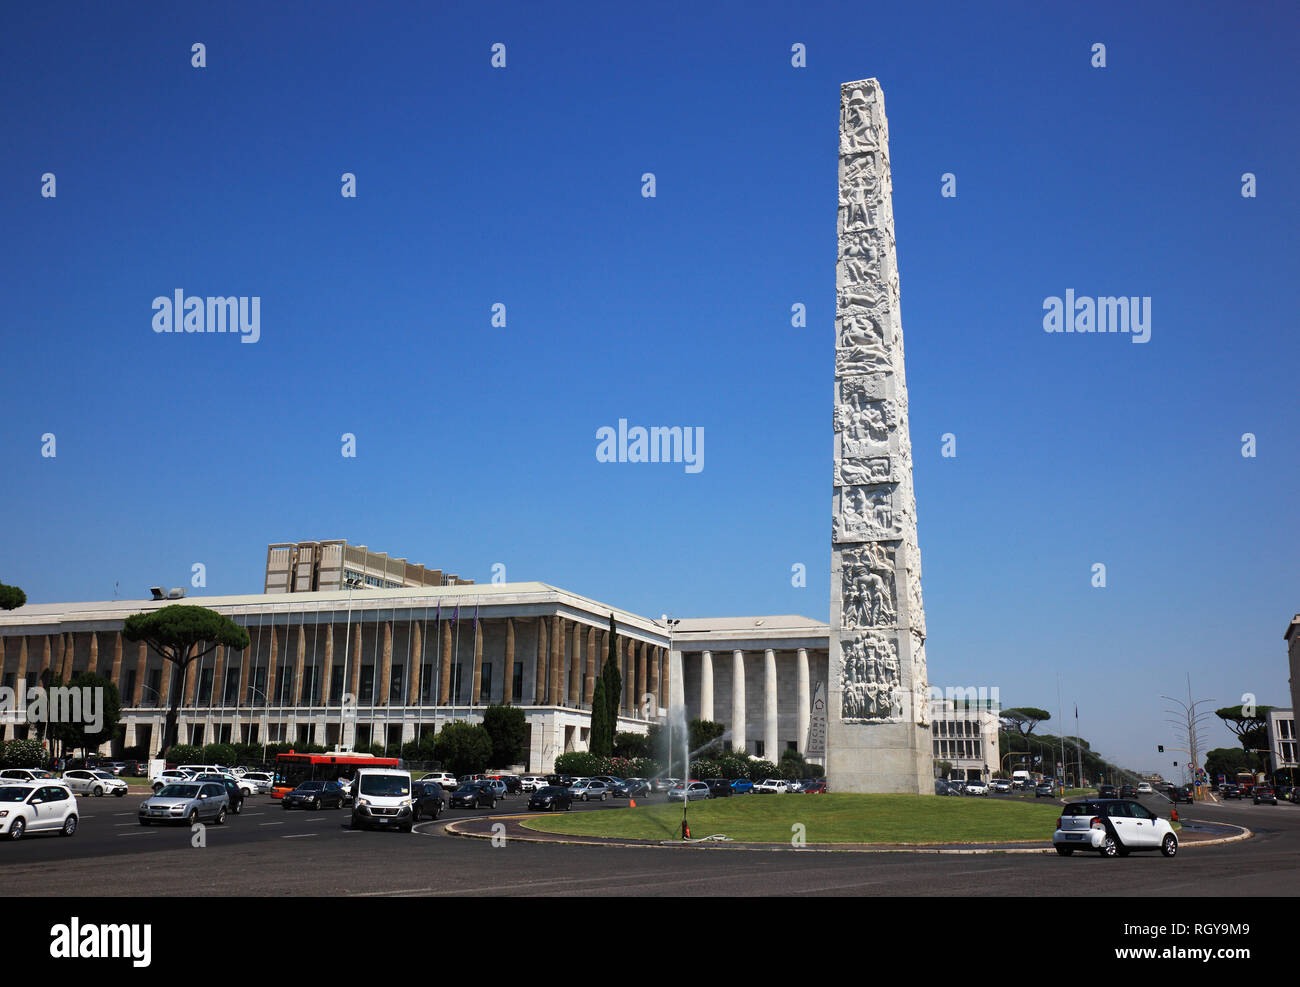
826, 818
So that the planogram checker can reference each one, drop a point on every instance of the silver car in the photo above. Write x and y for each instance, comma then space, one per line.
97, 782
187, 802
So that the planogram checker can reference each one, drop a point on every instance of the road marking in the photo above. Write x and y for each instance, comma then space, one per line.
252, 813
298, 836
271, 824
140, 832
124, 813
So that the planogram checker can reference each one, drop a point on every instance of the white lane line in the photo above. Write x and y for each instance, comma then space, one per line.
271, 824
252, 813
298, 836
140, 832
124, 813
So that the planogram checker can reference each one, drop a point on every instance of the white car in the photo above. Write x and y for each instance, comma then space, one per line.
977, 787
771, 786
1144, 788
443, 779
255, 782
1002, 785
168, 776
1112, 827
11, 776
36, 807
531, 783
97, 783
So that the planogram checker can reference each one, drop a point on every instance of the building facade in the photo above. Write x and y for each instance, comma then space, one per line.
966, 736
314, 566
1282, 750
365, 666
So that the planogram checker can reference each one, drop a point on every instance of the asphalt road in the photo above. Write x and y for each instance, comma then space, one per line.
268, 851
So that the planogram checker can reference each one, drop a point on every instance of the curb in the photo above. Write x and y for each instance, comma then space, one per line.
451, 829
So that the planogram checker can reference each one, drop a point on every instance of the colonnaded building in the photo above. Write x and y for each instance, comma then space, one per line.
418, 650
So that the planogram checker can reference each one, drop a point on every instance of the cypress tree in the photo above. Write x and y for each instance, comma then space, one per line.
613, 684
596, 742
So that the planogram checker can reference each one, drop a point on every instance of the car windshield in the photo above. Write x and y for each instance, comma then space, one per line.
180, 792
548, 790
311, 786
466, 789
385, 785
12, 793
105, 774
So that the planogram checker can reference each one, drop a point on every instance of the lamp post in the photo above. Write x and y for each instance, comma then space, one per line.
1187, 720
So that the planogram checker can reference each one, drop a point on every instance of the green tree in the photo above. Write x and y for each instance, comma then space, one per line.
77, 734
181, 634
24, 754
508, 728
578, 763
11, 597
631, 745
702, 733
792, 765
942, 769
1251, 730
1226, 761
596, 738
223, 754
1023, 719
464, 748
613, 688
761, 770
183, 754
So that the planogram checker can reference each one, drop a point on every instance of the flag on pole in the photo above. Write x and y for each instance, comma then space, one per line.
456, 614
476, 616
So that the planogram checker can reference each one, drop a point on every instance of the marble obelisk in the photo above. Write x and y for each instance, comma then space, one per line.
878, 733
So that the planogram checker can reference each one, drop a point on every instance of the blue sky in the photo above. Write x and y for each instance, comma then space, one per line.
522, 186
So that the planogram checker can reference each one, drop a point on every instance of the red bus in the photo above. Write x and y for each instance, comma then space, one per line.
291, 770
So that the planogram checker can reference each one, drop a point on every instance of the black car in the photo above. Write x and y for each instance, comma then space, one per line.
474, 795
1128, 791
513, 785
236, 796
719, 788
1107, 792
1179, 793
314, 795
1264, 793
551, 798
427, 800
1230, 791
631, 788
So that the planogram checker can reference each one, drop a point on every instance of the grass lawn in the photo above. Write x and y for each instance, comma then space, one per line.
828, 819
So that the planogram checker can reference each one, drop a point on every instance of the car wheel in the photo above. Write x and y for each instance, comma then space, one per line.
1169, 845
16, 830
69, 826
1110, 848
604, 795
315, 804
1065, 851
98, 791
237, 807
192, 818
492, 804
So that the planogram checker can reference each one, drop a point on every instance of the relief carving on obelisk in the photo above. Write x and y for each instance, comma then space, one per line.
877, 617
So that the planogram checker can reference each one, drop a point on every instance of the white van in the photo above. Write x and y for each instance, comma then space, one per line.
381, 798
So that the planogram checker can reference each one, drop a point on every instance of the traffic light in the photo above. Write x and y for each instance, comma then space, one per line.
1175, 764
1162, 748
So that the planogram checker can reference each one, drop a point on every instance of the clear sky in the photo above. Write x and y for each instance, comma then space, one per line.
522, 186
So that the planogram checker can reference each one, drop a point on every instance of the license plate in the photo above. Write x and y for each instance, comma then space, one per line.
1073, 836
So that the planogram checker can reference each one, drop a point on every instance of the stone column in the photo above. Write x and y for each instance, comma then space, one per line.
652, 686
706, 685
141, 667
738, 701
575, 667
93, 662
444, 673
771, 736
803, 711
589, 686
218, 697
356, 667
245, 669
191, 676
877, 730
639, 693
417, 664
272, 665
555, 694
476, 680
327, 678
300, 662
508, 682
45, 657
385, 668
539, 678
22, 671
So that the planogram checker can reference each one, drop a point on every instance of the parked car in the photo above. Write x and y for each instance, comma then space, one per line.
10, 775
427, 800
1265, 793
742, 786
1046, 789
382, 798
510, 785
977, 787
662, 784
551, 798
1001, 786
815, 786
631, 788
168, 776
719, 788
256, 782
473, 795
771, 786
186, 802
532, 783
691, 792
944, 787
589, 789
316, 794
97, 782
41, 806
1112, 827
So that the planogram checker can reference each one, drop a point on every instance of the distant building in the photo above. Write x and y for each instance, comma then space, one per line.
1281, 741
1292, 638
322, 566
965, 734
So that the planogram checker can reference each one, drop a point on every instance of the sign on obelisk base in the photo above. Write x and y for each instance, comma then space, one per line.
877, 730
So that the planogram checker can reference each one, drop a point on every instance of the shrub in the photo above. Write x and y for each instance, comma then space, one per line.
508, 728
759, 770
577, 763
631, 745
219, 754
184, 754
24, 754
463, 747
646, 767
